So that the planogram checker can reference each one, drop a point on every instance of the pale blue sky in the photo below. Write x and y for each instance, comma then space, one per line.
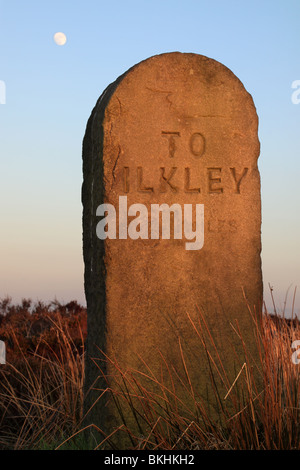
51, 90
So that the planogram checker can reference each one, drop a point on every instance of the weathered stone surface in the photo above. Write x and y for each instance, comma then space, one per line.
176, 128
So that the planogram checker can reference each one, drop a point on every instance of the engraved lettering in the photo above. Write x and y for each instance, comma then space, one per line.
214, 180
221, 226
165, 180
141, 188
171, 137
185, 181
187, 178
238, 179
197, 144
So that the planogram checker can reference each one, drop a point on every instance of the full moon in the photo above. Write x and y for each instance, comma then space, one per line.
60, 39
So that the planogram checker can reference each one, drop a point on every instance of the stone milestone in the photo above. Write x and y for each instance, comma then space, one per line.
177, 130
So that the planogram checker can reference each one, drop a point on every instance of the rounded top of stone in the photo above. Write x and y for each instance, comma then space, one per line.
201, 78
179, 59
170, 64
188, 85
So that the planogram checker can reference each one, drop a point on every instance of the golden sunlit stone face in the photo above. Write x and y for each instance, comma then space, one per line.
175, 129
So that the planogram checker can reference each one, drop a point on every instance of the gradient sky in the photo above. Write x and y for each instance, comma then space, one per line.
50, 93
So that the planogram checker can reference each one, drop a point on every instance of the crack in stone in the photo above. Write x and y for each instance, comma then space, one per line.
116, 162
169, 93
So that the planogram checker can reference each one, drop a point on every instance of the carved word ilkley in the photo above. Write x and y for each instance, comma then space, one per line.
175, 179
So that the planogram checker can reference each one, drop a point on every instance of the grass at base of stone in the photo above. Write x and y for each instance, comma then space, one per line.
41, 400
262, 419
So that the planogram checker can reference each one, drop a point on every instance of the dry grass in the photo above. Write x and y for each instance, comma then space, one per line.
41, 391
261, 417
41, 388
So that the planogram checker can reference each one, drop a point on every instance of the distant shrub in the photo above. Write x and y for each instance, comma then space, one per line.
41, 385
